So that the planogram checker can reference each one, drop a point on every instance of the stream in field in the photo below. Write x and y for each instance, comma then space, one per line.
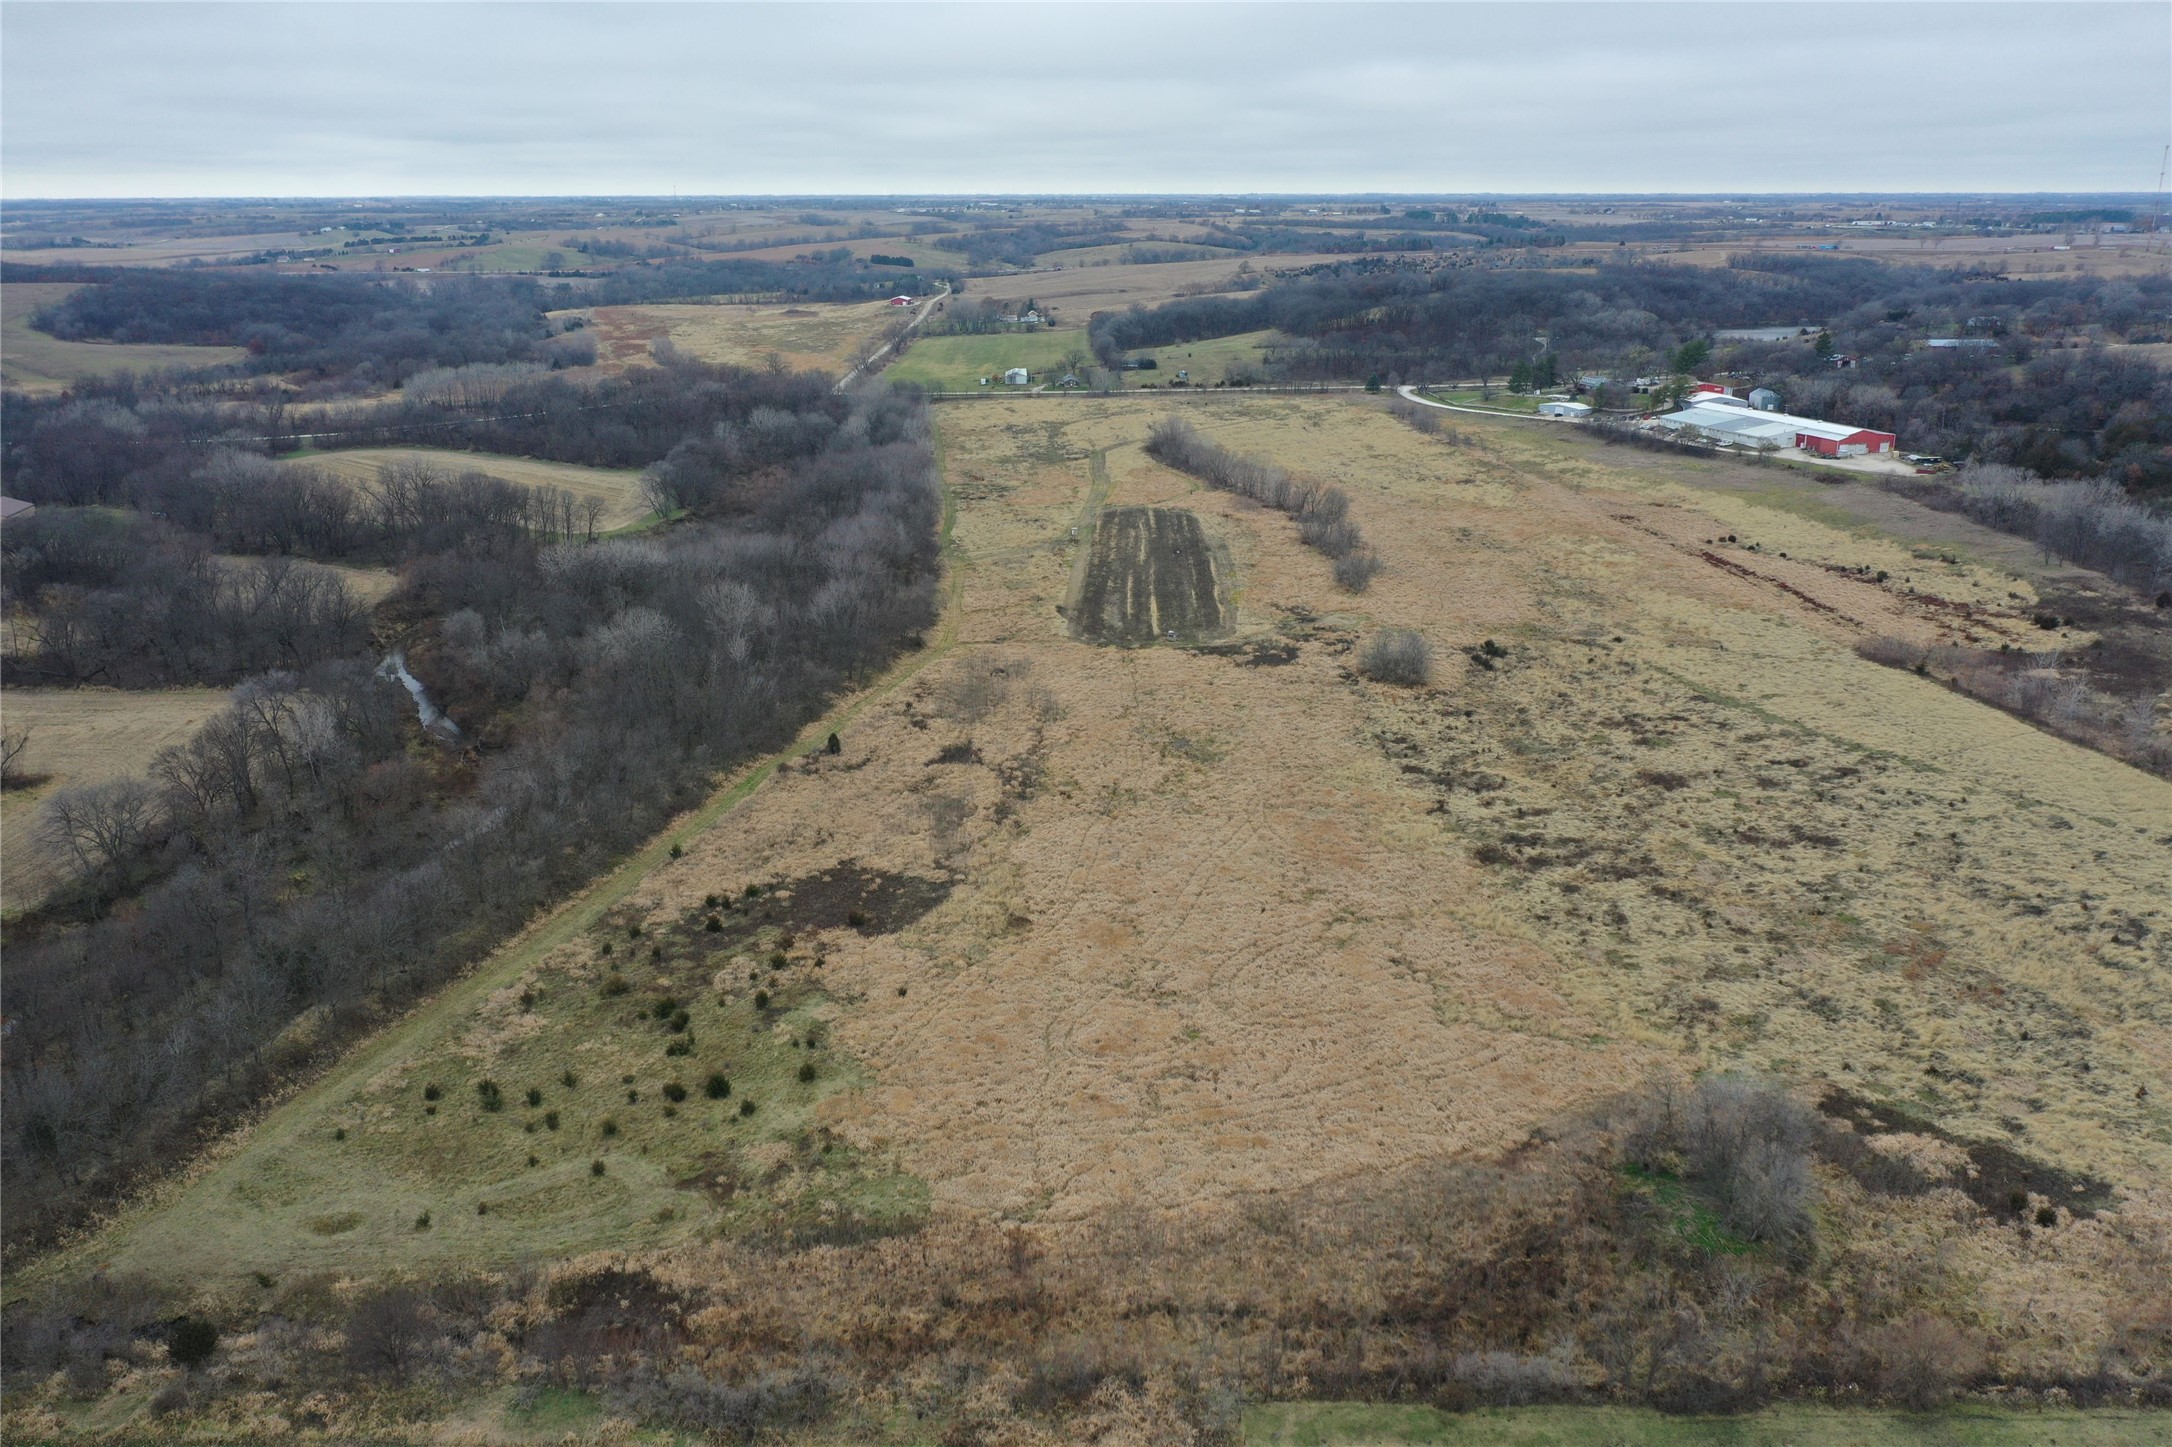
434, 719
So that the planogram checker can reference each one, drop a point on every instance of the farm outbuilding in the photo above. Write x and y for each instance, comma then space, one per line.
1742, 426
1017, 376
1563, 409
1764, 399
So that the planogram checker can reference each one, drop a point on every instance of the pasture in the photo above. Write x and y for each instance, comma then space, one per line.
1248, 879
956, 364
805, 336
619, 490
81, 736
36, 362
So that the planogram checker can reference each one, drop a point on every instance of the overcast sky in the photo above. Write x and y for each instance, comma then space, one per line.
186, 99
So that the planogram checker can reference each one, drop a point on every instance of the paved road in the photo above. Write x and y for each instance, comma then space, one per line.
1410, 394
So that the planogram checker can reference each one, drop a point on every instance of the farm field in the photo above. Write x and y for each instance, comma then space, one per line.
36, 362
619, 490
1086, 937
81, 736
956, 364
1167, 925
816, 336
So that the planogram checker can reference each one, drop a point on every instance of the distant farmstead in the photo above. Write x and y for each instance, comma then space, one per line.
1734, 424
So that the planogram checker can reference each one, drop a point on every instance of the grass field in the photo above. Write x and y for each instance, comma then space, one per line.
1208, 361
1356, 1425
35, 362
814, 336
956, 364
619, 490
1161, 932
81, 736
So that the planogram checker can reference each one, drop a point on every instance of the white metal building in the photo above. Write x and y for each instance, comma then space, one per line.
1563, 409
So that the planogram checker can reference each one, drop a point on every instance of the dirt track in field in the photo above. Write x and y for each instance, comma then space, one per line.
1151, 576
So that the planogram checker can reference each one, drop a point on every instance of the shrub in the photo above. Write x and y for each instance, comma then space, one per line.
422, 1222
386, 1332
431, 1092
778, 959
339, 1133
535, 1097
595, 1168
615, 984
714, 925
1743, 1142
761, 999
191, 1342
674, 1092
1918, 1361
717, 1087
610, 1126
550, 1120
806, 1073
679, 1048
746, 1107
1355, 571
663, 1008
569, 1080
676, 851
1397, 655
493, 1099
680, 1019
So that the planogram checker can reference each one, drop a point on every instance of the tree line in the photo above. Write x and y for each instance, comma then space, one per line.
310, 860
1322, 511
2028, 399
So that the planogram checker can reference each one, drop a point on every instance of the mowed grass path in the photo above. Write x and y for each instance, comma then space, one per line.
620, 489
35, 362
1357, 1424
278, 1196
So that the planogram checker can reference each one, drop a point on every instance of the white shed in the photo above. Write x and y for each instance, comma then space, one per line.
1764, 399
1563, 409
1017, 376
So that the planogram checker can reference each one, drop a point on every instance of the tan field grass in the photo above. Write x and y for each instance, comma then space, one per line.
36, 362
1231, 921
81, 736
811, 336
619, 489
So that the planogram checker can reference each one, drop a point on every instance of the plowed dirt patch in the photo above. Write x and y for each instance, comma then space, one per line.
1151, 576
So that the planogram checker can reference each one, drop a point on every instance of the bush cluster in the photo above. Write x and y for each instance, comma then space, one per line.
1322, 512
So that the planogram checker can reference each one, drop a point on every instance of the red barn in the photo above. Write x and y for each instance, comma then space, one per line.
1837, 439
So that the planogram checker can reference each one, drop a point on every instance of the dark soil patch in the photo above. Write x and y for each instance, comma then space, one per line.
1151, 575
2000, 1179
1256, 654
847, 895
718, 1178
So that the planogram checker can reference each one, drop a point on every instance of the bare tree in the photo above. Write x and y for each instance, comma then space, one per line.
13, 741
100, 825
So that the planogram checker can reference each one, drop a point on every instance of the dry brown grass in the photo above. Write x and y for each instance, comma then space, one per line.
1231, 925
81, 736
806, 336
619, 489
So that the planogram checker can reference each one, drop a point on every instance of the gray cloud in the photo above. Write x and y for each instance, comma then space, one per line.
322, 99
